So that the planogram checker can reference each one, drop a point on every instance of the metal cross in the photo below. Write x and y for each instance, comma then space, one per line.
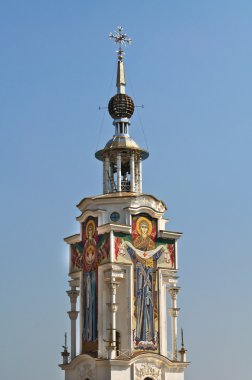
65, 346
121, 39
182, 338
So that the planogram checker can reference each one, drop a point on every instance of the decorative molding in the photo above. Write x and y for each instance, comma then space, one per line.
113, 307
174, 312
73, 315
75, 280
119, 197
145, 209
147, 369
73, 295
174, 292
113, 275
168, 276
85, 371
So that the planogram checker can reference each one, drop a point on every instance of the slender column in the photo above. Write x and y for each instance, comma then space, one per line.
119, 172
111, 181
136, 176
132, 172
73, 314
113, 306
140, 175
174, 313
106, 175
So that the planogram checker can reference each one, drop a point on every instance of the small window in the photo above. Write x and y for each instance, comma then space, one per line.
115, 216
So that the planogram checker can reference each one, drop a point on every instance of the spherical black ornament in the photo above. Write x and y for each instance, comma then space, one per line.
120, 106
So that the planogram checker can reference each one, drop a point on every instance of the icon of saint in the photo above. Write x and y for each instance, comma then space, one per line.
90, 245
144, 229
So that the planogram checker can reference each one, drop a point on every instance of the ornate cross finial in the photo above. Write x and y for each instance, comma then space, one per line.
121, 39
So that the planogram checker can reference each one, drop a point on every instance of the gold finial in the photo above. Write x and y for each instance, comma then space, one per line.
121, 39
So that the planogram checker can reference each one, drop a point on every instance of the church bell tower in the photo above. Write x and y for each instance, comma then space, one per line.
123, 267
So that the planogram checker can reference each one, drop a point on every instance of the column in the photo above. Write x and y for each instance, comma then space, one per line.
119, 172
132, 172
113, 307
136, 176
140, 175
73, 314
174, 313
106, 175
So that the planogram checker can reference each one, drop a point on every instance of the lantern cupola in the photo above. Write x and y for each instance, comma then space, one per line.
122, 157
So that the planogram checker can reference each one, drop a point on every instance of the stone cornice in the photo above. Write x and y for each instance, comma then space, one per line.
78, 359
73, 239
145, 209
169, 234
114, 227
116, 197
88, 213
175, 366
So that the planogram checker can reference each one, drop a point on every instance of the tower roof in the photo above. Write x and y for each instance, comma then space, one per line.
124, 144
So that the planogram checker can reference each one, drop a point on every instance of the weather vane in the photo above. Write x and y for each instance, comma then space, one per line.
121, 39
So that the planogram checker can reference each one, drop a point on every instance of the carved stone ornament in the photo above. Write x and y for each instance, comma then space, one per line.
73, 315
113, 307
147, 370
85, 371
73, 294
173, 292
174, 312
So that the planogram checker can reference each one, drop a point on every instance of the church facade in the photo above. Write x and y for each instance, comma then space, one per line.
123, 268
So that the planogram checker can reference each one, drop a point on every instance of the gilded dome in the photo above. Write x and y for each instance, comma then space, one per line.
121, 142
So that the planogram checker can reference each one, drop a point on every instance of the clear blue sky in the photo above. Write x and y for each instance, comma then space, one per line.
190, 65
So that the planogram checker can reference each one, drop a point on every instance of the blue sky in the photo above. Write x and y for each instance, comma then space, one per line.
190, 65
